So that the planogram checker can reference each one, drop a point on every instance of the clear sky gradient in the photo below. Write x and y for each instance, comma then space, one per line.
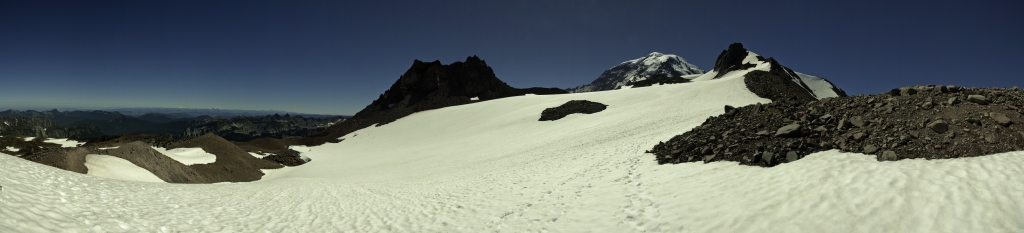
335, 57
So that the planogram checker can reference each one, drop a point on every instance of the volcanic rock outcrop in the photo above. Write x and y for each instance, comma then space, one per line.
931, 122
573, 106
768, 79
427, 86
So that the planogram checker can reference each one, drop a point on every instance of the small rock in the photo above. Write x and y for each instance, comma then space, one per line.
825, 117
906, 91
767, 157
843, 124
952, 101
915, 134
821, 129
1000, 118
990, 138
978, 99
858, 121
729, 108
707, 159
870, 149
926, 105
763, 133
889, 156
939, 126
973, 121
859, 136
789, 130
792, 156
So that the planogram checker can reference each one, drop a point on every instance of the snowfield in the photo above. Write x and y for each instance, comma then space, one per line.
492, 166
188, 156
117, 168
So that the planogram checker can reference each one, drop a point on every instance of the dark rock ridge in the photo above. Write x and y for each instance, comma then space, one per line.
632, 71
427, 86
931, 122
93, 125
44, 127
779, 83
660, 79
233, 164
573, 106
242, 128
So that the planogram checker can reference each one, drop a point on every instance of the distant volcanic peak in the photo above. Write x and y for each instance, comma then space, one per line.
632, 71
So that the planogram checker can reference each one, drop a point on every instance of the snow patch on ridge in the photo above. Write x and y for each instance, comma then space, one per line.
188, 156
111, 167
820, 87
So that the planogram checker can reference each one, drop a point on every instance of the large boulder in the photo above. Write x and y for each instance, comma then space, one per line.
573, 106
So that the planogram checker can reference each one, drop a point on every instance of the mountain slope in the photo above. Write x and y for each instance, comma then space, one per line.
491, 166
769, 79
640, 69
427, 86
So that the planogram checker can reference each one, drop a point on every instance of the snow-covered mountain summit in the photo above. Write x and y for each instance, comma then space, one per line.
639, 69
769, 79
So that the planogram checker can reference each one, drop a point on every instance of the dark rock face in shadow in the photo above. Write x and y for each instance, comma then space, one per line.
426, 86
573, 106
777, 84
731, 60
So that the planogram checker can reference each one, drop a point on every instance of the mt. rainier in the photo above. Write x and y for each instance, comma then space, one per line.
639, 69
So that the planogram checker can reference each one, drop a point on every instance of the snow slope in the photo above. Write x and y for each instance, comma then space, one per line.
188, 156
64, 142
492, 166
117, 168
819, 86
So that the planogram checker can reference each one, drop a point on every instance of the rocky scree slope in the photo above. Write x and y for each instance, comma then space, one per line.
931, 122
427, 86
632, 71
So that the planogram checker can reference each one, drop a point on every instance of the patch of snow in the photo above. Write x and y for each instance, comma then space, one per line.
109, 148
493, 166
188, 156
12, 149
111, 167
259, 155
29, 138
64, 142
475, 98
819, 86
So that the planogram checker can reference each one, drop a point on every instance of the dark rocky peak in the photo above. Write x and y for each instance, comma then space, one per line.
732, 60
469, 79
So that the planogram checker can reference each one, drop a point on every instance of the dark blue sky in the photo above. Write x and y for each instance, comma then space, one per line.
335, 57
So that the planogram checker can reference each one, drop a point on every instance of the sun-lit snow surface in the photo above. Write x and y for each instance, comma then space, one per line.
260, 155
117, 168
188, 156
64, 142
821, 88
12, 149
492, 166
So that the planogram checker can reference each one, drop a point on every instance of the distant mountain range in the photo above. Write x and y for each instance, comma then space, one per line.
91, 124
